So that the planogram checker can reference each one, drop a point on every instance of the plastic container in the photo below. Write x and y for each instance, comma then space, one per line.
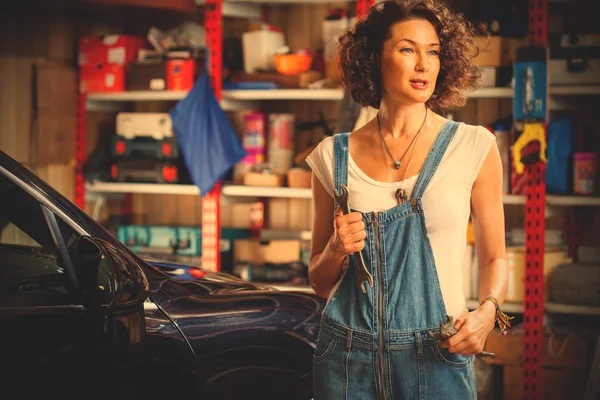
254, 143
292, 64
281, 160
515, 259
561, 140
180, 74
259, 49
585, 166
281, 142
281, 131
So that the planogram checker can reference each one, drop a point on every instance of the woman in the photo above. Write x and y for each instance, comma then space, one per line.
414, 178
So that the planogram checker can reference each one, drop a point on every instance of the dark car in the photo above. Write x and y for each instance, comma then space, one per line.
82, 316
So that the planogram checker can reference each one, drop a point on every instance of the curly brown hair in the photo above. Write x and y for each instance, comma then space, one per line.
360, 49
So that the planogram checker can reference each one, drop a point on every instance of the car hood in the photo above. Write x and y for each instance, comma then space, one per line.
218, 304
213, 282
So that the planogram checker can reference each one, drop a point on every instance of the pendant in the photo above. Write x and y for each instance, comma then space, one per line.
397, 164
401, 196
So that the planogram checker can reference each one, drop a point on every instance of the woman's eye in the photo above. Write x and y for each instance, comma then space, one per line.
406, 50
434, 52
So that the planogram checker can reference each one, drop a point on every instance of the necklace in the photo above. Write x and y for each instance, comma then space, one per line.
400, 193
397, 163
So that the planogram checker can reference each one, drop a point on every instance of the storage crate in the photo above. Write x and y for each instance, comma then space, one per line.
144, 148
180, 241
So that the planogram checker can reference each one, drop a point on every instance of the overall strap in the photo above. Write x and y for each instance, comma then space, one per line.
434, 157
340, 161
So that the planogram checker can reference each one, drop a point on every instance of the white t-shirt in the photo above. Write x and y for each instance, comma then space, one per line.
446, 201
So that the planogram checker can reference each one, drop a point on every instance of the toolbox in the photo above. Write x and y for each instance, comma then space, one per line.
183, 241
144, 147
156, 125
180, 241
574, 59
144, 171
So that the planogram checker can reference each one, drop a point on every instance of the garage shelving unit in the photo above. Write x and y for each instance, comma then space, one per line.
230, 100
101, 188
535, 200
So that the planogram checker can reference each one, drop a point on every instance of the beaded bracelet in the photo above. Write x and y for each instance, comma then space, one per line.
502, 319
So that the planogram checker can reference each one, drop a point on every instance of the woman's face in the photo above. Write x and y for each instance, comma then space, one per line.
410, 62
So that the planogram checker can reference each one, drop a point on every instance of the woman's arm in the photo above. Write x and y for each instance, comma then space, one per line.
333, 237
487, 214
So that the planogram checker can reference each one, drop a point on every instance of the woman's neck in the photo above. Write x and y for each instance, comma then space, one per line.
401, 121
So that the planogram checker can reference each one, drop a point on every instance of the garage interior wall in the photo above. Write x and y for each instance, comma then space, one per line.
38, 100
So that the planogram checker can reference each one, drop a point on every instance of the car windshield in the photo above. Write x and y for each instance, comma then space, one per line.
87, 223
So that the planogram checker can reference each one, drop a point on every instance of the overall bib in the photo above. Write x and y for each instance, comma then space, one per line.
375, 345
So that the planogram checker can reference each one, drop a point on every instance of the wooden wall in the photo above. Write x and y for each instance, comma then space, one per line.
30, 42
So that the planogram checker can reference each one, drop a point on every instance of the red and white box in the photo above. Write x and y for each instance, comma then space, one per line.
110, 49
101, 78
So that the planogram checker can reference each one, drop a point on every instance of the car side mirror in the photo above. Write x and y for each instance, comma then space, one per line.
113, 284
108, 277
94, 272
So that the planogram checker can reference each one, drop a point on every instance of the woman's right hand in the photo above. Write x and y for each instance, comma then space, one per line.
349, 232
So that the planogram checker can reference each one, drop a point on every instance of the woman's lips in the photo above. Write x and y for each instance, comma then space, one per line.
419, 84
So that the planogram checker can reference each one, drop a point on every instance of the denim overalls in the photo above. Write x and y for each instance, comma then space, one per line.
375, 345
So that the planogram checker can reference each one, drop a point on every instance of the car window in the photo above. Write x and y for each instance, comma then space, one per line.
30, 264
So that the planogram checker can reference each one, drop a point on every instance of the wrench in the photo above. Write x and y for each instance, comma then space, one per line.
362, 274
448, 330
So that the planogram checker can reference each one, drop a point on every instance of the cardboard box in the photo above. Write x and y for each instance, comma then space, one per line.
497, 51
146, 75
559, 350
557, 384
109, 49
101, 78
490, 53
273, 252
299, 178
260, 179
290, 214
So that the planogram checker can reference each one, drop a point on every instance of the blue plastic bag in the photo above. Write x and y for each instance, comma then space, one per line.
208, 142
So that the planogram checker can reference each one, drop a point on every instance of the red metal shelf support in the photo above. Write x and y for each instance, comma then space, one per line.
211, 202
535, 226
362, 7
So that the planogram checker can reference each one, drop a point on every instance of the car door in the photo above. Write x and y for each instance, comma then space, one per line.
45, 333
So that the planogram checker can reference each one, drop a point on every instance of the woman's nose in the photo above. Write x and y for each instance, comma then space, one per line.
422, 64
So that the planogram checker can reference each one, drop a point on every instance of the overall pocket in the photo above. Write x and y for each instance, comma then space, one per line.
325, 346
450, 359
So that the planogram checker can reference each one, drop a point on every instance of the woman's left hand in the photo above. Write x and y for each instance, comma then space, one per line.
473, 329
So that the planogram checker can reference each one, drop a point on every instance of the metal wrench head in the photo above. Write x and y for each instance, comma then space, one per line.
342, 198
361, 284
447, 330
